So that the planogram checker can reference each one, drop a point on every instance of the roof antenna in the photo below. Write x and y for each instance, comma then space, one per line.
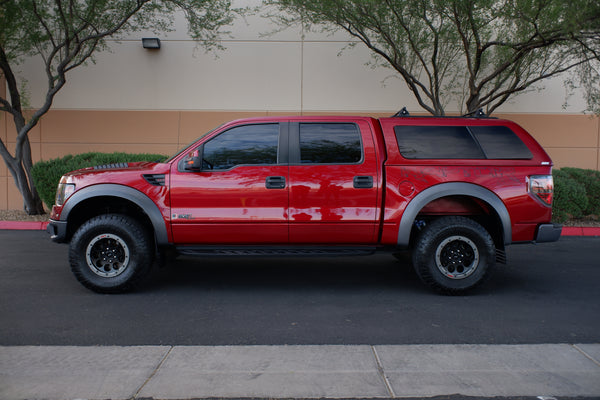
402, 113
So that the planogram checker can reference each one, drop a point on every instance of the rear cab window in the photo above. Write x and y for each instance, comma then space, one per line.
500, 143
460, 142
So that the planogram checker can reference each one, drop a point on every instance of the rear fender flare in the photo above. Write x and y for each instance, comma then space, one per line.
452, 189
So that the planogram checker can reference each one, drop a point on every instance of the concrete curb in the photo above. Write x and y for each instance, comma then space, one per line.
34, 226
358, 371
23, 225
580, 231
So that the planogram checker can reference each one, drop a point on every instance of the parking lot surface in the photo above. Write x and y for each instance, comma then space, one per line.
546, 294
300, 328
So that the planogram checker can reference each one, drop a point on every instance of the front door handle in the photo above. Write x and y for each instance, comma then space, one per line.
275, 182
363, 182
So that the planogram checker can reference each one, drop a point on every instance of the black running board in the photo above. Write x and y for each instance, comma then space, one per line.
278, 251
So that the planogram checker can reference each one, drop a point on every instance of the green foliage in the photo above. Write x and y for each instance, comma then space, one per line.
576, 194
47, 174
66, 34
476, 53
79, 28
590, 180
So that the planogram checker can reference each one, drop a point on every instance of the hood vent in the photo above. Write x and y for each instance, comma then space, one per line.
155, 179
112, 166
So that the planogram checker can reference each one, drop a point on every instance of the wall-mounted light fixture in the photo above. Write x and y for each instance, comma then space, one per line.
151, 43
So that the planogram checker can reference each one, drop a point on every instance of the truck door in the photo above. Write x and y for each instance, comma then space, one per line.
240, 196
333, 183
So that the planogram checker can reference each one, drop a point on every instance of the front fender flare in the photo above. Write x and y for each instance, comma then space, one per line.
452, 189
126, 193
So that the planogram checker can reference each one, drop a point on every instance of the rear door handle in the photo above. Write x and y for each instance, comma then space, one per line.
363, 182
275, 182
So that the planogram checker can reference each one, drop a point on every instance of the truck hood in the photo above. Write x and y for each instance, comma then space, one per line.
133, 174
133, 166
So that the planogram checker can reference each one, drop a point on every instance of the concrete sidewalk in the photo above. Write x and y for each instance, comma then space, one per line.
182, 372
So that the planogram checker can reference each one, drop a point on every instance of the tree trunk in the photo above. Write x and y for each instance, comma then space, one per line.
473, 104
32, 203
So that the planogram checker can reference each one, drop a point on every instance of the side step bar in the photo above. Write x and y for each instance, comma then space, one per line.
278, 251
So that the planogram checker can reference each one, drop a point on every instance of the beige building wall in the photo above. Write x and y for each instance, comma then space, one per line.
571, 140
137, 100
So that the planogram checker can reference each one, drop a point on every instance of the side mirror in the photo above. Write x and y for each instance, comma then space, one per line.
193, 161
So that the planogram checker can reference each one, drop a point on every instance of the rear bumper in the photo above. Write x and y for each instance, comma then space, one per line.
57, 231
548, 233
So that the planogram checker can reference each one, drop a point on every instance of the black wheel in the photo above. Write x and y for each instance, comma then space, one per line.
454, 254
111, 253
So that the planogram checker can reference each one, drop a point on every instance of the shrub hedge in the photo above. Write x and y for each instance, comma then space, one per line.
47, 174
576, 194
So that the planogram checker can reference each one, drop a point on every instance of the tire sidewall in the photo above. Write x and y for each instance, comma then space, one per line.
134, 237
424, 255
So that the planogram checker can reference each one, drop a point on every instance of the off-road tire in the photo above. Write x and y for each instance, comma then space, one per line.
111, 253
454, 254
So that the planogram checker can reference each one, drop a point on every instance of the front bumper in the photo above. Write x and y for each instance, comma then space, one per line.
57, 231
548, 233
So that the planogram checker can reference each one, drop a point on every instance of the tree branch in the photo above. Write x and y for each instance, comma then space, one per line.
523, 86
14, 107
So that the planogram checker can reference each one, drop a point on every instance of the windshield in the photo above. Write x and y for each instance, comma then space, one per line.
187, 147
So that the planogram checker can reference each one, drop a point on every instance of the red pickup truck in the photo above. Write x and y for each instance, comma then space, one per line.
453, 191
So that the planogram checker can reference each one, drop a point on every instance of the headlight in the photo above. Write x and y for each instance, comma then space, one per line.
63, 192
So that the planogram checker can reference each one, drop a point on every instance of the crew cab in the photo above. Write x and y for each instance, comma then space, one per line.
452, 191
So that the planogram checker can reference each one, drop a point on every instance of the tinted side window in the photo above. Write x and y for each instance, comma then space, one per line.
248, 144
331, 143
500, 142
444, 142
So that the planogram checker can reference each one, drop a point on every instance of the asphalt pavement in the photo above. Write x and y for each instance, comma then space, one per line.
300, 328
547, 293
